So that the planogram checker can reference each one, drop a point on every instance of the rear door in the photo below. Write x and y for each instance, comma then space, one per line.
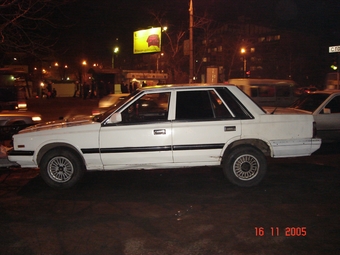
203, 124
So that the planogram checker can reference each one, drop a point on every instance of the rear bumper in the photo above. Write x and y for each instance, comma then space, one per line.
294, 148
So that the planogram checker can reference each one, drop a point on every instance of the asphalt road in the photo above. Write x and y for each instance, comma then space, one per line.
295, 210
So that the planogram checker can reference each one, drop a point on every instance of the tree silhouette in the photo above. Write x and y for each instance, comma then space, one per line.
29, 25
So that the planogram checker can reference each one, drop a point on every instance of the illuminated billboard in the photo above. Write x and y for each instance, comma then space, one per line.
147, 41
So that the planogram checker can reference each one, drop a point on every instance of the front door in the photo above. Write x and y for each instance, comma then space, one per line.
142, 139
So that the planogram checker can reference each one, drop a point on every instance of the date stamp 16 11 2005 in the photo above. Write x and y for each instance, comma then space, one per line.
277, 231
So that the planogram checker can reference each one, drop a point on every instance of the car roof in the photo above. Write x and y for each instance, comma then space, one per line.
185, 86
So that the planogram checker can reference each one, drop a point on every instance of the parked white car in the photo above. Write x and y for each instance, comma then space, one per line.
324, 106
171, 126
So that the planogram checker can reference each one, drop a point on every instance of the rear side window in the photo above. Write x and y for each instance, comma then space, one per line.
193, 105
207, 105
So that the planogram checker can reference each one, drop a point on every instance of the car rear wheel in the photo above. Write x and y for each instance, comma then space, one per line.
61, 168
244, 166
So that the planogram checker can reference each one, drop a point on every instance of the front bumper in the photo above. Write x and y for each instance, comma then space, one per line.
23, 158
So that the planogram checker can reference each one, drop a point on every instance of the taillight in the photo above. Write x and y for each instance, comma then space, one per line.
314, 129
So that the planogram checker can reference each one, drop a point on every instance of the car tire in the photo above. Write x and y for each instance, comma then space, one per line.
244, 166
61, 168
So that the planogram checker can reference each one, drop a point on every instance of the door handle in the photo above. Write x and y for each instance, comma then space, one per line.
229, 128
159, 132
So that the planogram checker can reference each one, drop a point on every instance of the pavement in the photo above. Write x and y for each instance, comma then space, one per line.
295, 210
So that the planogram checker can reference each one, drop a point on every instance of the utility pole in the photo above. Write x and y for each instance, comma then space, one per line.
191, 46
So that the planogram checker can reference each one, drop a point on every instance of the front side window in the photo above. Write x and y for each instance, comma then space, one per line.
148, 108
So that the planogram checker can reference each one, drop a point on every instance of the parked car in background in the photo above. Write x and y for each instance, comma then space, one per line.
170, 126
13, 121
325, 108
108, 101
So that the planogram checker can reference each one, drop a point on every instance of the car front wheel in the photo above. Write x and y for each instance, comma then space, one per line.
61, 168
244, 166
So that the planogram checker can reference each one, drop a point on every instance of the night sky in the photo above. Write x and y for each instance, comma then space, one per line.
94, 25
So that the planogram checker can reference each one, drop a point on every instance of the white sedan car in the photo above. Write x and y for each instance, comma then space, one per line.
168, 127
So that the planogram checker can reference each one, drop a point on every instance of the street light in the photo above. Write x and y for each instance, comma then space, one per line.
83, 78
243, 52
115, 51
159, 55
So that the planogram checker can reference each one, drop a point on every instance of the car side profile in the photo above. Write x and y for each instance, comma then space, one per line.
170, 126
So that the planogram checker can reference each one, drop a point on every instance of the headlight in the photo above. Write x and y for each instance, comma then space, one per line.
36, 118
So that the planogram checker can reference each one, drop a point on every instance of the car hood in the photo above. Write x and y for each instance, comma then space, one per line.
71, 122
284, 110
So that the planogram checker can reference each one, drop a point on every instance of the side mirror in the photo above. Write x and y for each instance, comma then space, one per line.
116, 118
327, 110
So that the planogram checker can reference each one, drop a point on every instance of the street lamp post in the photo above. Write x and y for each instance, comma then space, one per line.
159, 55
243, 52
191, 39
115, 51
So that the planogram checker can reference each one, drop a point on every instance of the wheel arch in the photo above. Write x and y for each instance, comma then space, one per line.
58, 146
256, 143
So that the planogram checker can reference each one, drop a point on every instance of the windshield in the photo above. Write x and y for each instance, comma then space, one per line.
113, 108
309, 102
